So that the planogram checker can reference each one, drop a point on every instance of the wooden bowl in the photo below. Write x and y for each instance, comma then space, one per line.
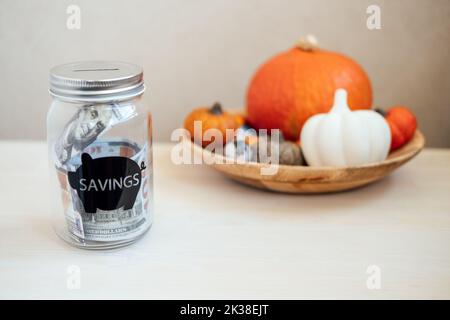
304, 179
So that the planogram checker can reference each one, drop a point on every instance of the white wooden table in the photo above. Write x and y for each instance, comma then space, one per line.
213, 238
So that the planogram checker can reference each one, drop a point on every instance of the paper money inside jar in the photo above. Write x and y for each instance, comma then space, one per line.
100, 152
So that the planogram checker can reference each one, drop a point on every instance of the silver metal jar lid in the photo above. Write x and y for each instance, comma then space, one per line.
96, 81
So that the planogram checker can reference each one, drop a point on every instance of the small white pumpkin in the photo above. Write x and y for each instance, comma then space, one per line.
343, 137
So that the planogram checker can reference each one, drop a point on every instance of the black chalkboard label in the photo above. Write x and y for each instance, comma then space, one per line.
106, 183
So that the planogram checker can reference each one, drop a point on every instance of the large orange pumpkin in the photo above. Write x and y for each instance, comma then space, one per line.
294, 85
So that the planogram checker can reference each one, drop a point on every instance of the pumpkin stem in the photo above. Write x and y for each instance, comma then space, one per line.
381, 111
216, 109
340, 101
309, 43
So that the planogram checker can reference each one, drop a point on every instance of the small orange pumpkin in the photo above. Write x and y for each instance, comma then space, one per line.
212, 118
403, 125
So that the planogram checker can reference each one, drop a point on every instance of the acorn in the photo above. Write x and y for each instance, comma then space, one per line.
290, 154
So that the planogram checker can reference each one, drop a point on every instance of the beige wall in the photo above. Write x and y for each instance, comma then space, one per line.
199, 51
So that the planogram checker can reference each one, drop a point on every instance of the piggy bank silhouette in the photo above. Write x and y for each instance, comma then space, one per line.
106, 183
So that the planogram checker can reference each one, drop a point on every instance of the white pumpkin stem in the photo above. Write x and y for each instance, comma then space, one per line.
309, 43
340, 101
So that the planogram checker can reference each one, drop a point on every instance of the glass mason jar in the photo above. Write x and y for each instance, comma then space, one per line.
99, 138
